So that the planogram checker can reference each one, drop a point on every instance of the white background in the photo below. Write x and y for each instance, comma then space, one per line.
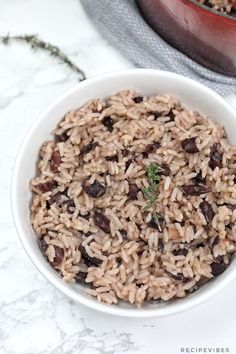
34, 317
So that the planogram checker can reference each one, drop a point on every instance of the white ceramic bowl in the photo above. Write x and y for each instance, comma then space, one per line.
146, 82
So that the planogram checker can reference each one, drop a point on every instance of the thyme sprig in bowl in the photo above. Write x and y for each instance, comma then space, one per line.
153, 171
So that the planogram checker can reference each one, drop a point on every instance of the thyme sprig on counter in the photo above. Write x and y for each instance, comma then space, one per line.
151, 192
36, 43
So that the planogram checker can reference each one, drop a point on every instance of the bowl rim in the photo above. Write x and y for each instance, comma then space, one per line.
43, 267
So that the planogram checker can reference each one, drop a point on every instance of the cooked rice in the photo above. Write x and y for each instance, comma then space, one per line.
109, 241
224, 6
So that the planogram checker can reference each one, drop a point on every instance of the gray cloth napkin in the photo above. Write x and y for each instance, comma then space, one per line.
120, 22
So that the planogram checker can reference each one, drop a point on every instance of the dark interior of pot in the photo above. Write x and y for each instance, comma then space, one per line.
204, 34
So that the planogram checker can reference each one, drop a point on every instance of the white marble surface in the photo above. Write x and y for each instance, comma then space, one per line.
34, 317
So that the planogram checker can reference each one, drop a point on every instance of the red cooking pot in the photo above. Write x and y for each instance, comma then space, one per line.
204, 35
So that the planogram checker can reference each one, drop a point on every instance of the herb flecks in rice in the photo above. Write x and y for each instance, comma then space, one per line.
135, 198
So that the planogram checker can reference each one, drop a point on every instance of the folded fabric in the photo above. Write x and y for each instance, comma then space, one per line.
120, 22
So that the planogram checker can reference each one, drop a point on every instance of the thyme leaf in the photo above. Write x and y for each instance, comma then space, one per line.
150, 192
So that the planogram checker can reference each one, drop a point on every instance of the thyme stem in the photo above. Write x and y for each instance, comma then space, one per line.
36, 43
